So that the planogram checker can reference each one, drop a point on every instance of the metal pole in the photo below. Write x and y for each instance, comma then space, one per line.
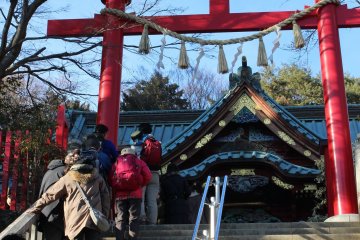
205, 235
220, 208
212, 226
217, 195
194, 236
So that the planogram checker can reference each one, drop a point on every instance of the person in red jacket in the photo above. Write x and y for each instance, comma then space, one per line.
128, 176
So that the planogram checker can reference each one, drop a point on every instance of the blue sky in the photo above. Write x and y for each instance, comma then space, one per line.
349, 38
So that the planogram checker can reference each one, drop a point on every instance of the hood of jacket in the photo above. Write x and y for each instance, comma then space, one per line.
55, 164
83, 178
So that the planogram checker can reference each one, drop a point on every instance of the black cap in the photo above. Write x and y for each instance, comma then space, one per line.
101, 128
92, 142
145, 128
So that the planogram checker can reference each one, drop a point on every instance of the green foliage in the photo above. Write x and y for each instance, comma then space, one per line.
292, 85
352, 88
77, 105
156, 94
319, 213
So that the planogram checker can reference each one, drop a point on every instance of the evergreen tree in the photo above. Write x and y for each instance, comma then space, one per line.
156, 94
352, 88
293, 85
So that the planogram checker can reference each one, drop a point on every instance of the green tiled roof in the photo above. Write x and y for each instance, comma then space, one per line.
285, 167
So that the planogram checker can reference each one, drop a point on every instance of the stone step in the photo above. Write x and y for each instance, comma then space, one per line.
256, 231
263, 237
274, 231
254, 225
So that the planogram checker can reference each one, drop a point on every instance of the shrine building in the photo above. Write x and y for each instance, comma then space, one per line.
267, 150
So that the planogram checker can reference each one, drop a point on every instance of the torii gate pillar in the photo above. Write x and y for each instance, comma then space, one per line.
340, 179
110, 78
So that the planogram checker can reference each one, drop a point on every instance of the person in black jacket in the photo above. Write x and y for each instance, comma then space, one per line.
51, 220
174, 192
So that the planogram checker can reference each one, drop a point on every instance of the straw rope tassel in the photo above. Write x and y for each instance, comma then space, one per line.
222, 64
144, 46
298, 38
183, 58
262, 57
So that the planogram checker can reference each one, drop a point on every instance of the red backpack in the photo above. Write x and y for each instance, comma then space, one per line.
151, 153
126, 175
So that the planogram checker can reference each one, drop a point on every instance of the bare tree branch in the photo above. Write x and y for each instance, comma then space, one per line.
7, 25
59, 89
49, 69
34, 57
31, 57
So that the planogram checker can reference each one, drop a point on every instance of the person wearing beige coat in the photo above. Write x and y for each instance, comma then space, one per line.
78, 223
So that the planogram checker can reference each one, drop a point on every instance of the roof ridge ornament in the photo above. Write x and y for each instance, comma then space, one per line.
244, 74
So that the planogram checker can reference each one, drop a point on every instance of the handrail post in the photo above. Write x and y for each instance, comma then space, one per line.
217, 195
205, 235
221, 208
196, 228
216, 206
213, 207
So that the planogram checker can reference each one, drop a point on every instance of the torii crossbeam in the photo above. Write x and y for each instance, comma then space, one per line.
339, 165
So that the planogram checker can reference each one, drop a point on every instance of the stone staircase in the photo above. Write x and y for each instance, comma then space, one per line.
257, 231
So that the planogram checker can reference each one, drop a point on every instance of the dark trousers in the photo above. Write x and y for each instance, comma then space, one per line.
127, 211
52, 231
88, 234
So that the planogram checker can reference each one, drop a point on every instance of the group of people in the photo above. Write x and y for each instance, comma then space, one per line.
128, 183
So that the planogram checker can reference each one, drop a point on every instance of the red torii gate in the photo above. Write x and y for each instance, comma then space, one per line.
339, 165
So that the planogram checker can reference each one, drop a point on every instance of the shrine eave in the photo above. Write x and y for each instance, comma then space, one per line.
200, 23
285, 168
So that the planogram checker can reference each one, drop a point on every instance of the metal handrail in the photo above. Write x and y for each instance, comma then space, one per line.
217, 230
25, 223
196, 228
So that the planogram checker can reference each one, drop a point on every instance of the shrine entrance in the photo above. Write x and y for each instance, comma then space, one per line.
327, 18
255, 194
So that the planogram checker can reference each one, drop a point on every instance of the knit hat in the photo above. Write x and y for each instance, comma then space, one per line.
127, 151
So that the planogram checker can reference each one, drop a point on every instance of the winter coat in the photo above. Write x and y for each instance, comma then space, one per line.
53, 211
174, 192
76, 212
146, 175
109, 148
